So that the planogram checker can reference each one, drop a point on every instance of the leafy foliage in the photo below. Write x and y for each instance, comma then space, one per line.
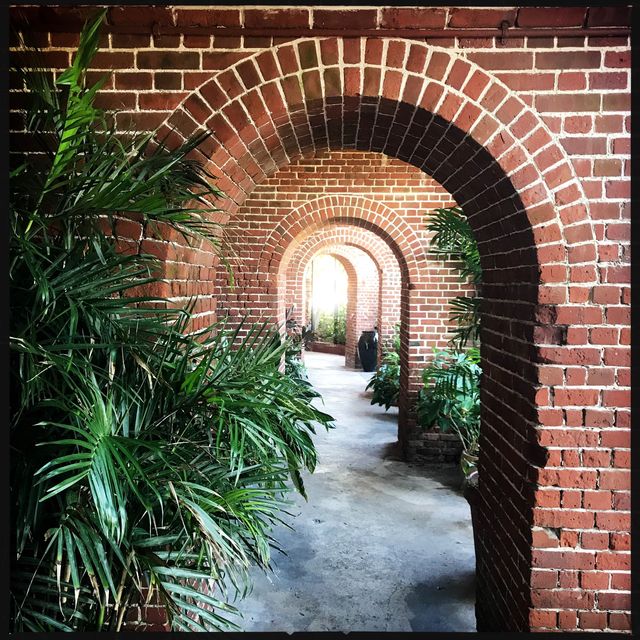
386, 380
147, 461
332, 327
293, 364
465, 313
451, 395
453, 237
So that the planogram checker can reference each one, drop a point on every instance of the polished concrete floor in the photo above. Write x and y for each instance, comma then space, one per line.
380, 545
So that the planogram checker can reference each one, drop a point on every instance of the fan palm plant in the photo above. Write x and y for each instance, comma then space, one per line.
450, 397
453, 237
453, 399
148, 461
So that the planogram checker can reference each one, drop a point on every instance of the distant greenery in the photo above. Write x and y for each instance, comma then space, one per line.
332, 327
386, 380
294, 366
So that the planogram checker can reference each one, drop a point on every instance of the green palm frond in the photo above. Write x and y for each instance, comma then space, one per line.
147, 459
453, 236
465, 313
451, 395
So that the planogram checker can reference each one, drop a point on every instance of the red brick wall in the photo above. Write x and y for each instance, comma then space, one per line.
404, 192
285, 212
530, 135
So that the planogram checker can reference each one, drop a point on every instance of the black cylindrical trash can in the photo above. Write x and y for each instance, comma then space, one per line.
368, 350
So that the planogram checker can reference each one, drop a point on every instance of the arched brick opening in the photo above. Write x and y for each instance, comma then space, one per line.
367, 240
381, 255
458, 123
364, 298
350, 266
282, 242
362, 309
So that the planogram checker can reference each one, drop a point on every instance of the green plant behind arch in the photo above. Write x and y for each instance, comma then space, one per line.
453, 238
450, 397
145, 458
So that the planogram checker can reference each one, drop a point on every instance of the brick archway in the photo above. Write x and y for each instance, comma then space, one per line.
272, 107
379, 219
447, 116
340, 210
362, 306
390, 280
372, 289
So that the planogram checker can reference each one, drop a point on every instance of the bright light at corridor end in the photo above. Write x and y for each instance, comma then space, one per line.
329, 284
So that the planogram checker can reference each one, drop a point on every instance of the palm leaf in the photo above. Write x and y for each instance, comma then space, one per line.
143, 455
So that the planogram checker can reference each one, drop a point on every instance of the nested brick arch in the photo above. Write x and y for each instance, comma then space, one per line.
380, 219
341, 210
374, 299
389, 279
426, 105
424, 292
434, 109
362, 305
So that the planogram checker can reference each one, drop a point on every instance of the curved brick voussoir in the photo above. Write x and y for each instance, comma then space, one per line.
347, 209
425, 105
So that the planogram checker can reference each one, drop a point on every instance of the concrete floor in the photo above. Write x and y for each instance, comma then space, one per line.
380, 545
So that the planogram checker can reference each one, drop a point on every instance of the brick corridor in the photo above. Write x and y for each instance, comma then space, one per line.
381, 545
528, 129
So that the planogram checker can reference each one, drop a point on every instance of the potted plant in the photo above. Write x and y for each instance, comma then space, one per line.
386, 380
146, 458
450, 399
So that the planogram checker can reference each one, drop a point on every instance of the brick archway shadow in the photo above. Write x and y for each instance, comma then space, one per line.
437, 111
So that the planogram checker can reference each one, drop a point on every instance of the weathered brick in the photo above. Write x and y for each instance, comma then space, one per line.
491, 61
405, 18
476, 18
343, 19
277, 18
168, 60
568, 60
567, 102
551, 17
207, 17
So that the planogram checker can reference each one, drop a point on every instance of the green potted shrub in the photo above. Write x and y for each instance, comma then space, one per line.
450, 399
451, 395
147, 459
386, 380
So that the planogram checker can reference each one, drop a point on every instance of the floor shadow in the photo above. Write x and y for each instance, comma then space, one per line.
392, 451
431, 606
448, 474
